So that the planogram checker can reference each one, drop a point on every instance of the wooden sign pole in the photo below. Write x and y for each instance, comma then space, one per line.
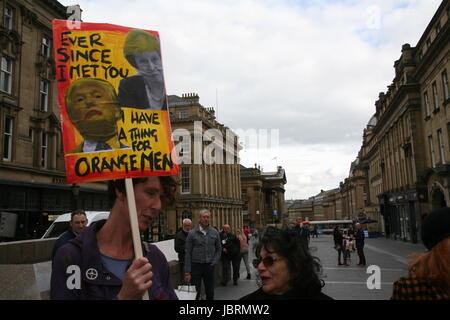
134, 223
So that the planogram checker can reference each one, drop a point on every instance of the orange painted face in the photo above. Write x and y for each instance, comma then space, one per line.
93, 112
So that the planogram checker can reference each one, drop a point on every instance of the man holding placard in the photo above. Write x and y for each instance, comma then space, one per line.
108, 260
100, 263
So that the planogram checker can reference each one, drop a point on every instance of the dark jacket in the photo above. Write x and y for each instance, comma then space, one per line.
231, 243
180, 244
302, 233
132, 93
83, 252
359, 236
290, 295
62, 240
338, 238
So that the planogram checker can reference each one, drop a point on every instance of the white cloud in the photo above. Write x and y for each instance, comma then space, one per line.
312, 69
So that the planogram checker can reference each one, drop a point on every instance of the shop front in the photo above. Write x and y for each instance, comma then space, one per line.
402, 214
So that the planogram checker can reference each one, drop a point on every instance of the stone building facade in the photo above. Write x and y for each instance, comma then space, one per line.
407, 147
431, 71
205, 182
402, 170
263, 196
32, 172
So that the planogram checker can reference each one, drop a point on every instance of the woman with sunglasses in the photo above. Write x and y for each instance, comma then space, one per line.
286, 270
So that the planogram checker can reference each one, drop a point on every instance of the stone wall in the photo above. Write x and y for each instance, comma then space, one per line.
25, 268
26, 252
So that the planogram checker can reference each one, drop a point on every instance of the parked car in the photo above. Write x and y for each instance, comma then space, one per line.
61, 224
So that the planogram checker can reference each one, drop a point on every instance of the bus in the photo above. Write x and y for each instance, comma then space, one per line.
327, 226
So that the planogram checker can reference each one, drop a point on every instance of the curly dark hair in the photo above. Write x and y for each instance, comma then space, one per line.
168, 183
303, 267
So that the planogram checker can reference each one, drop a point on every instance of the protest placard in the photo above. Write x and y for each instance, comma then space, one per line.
113, 102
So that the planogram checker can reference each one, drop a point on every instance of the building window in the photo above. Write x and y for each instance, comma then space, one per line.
8, 17
44, 150
429, 42
435, 95
183, 114
427, 104
46, 47
432, 155
185, 148
185, 180
6, 75
448, 132
7, 139
441, 146
438, 28
445, 85
44, 95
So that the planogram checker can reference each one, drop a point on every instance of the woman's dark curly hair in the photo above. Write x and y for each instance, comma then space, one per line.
168, 183
303, 267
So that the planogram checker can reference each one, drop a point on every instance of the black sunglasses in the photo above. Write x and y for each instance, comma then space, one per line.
267, 261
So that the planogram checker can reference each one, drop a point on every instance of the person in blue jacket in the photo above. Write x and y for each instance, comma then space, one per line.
99, 264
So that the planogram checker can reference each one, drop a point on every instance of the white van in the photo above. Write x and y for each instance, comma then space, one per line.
61, 224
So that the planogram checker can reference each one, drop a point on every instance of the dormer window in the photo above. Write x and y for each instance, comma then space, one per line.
8, 17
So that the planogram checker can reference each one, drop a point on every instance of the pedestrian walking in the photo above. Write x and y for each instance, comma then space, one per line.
359, 236
243, 251
346, 248
338, 243
315, 233
246, 232
429, 272
180, 244
230, 255
302, 232
202, 254
286, 271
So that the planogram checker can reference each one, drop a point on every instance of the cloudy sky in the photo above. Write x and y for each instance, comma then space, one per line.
307, 70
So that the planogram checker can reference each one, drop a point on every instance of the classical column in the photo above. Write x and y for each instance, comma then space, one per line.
216, 180
222, 218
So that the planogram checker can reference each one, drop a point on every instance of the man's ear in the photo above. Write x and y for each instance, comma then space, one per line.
119, 114
121, 196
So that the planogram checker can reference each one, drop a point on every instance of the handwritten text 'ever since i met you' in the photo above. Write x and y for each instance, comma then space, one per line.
89, 60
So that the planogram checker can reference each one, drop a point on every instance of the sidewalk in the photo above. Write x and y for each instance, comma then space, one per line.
350, 283
341, 282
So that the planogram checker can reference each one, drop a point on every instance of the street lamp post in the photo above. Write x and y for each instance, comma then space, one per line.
75, 192
260, 223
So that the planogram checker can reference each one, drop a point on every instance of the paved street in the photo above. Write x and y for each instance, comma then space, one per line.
344, 283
